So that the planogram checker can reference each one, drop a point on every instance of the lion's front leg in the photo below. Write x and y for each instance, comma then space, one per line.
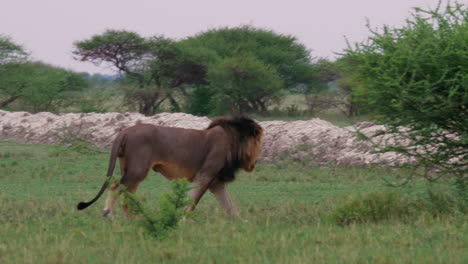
221, 194
214, 161
201, 182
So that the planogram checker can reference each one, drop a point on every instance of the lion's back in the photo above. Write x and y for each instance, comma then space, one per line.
170, 144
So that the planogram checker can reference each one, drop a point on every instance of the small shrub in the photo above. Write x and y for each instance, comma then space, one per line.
292, 110
169, 213
6, 155
90, 106
78, 140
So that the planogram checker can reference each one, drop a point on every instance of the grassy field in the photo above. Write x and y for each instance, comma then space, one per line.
289, 215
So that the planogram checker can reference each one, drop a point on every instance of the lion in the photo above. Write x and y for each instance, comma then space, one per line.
208, 158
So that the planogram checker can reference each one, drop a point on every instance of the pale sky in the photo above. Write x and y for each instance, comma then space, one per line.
48, 28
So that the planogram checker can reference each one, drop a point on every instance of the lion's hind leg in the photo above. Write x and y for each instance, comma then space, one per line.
134, 175
110, 201
113, 192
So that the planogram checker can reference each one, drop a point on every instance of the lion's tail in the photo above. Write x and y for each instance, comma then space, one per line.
113, 158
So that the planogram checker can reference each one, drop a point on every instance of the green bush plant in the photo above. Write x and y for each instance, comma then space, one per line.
414, 79
170, 204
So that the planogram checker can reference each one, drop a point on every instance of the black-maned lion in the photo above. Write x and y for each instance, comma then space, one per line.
208, 158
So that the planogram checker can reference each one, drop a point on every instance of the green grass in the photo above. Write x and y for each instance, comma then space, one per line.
287, 215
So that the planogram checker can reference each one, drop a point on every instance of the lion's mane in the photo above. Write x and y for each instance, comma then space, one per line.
245, 142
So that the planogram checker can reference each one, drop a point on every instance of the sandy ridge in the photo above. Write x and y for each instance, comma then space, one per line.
313, 139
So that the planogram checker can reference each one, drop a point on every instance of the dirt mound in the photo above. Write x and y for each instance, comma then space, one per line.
313, 139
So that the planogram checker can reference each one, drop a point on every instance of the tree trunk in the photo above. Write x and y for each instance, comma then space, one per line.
146, 108
263, 109
9, 101
175, 106
352, 109
147, 102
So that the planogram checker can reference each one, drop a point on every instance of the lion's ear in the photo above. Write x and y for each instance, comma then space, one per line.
255, 130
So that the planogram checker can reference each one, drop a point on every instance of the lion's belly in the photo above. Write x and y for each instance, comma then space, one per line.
173, 171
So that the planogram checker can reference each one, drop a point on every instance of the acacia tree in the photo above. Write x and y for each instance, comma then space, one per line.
318, 95
154, 65
416, 78
349, 82
10, 51
255, 63
38, 86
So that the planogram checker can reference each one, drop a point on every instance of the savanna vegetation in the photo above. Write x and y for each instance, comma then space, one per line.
290, 213
413, 79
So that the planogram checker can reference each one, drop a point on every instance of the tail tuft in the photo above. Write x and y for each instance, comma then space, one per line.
82, 205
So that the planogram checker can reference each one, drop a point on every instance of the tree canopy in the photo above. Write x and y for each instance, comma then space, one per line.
416, 76
247, 67
154, 65
244, 84
283, 52
38, 86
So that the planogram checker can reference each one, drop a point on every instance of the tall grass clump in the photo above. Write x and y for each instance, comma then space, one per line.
453, 198
383, 206
374, 207
461, 191
169, 213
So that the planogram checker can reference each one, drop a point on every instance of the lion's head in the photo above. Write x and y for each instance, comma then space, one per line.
245, 139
